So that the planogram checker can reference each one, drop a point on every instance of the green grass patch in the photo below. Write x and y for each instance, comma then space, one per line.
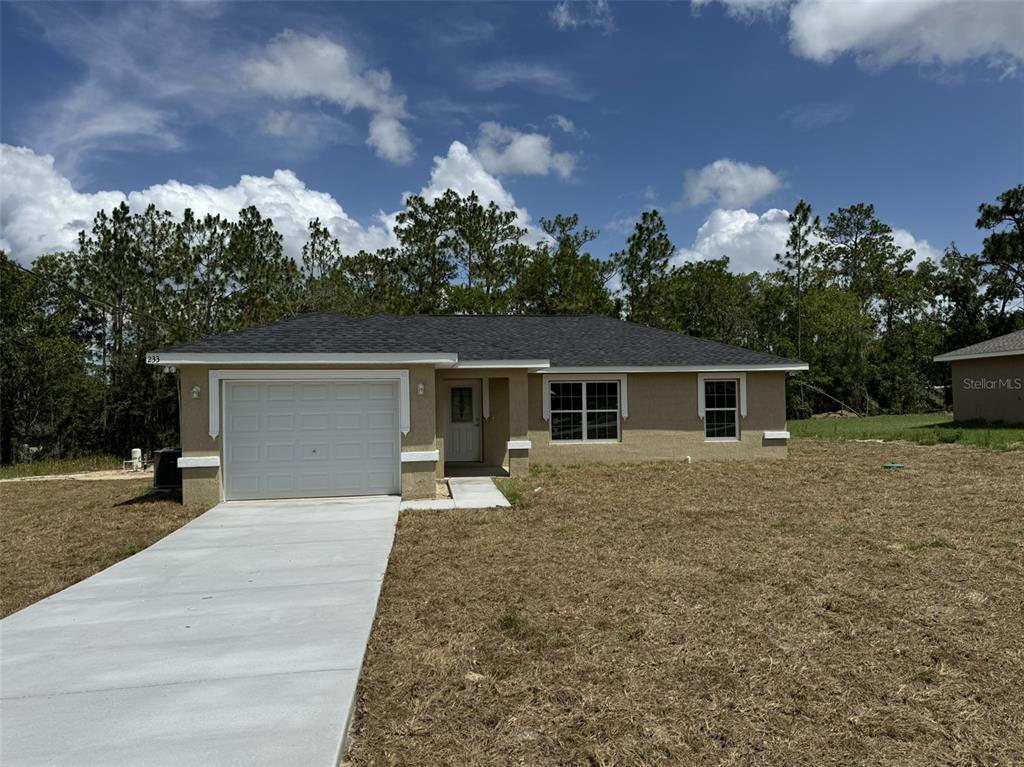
923, 428
46, 466
514, 625
513, 491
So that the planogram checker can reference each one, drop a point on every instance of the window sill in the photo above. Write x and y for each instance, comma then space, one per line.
584, 441
721, 439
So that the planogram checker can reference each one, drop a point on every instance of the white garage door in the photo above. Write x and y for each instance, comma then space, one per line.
309, 439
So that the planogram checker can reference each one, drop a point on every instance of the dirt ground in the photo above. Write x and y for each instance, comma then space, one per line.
815, 611
55, 533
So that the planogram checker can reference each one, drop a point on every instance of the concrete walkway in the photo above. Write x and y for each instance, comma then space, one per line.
236, 640
475, 493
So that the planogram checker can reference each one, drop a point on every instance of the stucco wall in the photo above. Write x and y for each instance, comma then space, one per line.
204, 485
663, 423
989, 389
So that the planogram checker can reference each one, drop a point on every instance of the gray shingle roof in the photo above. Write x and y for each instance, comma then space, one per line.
566, 340
994, 347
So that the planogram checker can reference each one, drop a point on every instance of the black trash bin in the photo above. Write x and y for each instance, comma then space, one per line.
166, 474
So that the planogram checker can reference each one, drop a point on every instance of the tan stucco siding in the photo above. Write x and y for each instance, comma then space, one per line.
663, 423
990, 389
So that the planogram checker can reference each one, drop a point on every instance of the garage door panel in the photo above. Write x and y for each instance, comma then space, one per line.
244, 423
280, 452
292, 440
315, 421
280, 422
245, 453
314, 392
280, 392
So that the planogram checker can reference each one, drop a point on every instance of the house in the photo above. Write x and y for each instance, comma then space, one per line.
327, 405
988, 379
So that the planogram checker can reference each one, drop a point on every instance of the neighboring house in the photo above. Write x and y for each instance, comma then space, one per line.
988, 379
326, 405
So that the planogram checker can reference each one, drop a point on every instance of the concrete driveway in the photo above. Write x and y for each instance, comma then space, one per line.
236, 640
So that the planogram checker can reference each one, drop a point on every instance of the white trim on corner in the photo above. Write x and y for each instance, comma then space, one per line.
519, 444
776, 435
548, 377
528, 364
199, 462
440, 359
682, 369
414, 456
952, 357
732, 376
216, 376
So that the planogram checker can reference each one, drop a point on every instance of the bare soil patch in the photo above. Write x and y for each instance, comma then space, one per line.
55, 533
814, 611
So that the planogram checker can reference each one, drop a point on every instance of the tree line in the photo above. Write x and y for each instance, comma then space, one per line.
75, 327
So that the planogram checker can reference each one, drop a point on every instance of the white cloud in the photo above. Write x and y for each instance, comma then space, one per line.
563, 123
592, 13
504, 150
307, 130
41, 211
152, 72
880, 33
748, 239
729, 184
820, 114
751, 240
296, 66
536, 76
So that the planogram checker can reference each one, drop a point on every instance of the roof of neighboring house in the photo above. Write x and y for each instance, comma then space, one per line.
1000, 346
558, 341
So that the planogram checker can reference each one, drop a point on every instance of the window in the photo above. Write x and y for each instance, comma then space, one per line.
720, 409
584, 411
462, 404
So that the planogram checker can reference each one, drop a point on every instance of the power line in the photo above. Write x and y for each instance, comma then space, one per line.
92, 299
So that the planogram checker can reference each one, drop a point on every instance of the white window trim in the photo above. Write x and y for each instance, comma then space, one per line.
741, 405
583, 382
568, 378
217, 376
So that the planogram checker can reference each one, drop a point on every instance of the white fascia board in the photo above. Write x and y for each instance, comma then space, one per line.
528, 364
199, 462
980, 356
415, 456
683, 369
356, 358
399, 375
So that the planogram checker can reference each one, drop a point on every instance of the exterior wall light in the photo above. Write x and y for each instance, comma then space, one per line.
195, 392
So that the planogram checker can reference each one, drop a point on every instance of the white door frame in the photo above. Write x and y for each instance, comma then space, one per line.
476, 384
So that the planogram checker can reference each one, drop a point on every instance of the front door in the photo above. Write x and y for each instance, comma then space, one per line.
462, 426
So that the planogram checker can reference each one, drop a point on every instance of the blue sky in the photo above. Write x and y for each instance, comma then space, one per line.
721, 115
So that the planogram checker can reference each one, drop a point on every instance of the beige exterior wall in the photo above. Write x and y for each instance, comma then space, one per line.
663, 423
203, 486
990, 389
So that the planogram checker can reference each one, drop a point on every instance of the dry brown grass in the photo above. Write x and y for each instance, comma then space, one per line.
817, 611
55, 533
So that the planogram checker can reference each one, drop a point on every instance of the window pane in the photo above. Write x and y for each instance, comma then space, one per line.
719, 394
462, 404
566, 396
720, 423
566, 426
602, 425
603, 395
